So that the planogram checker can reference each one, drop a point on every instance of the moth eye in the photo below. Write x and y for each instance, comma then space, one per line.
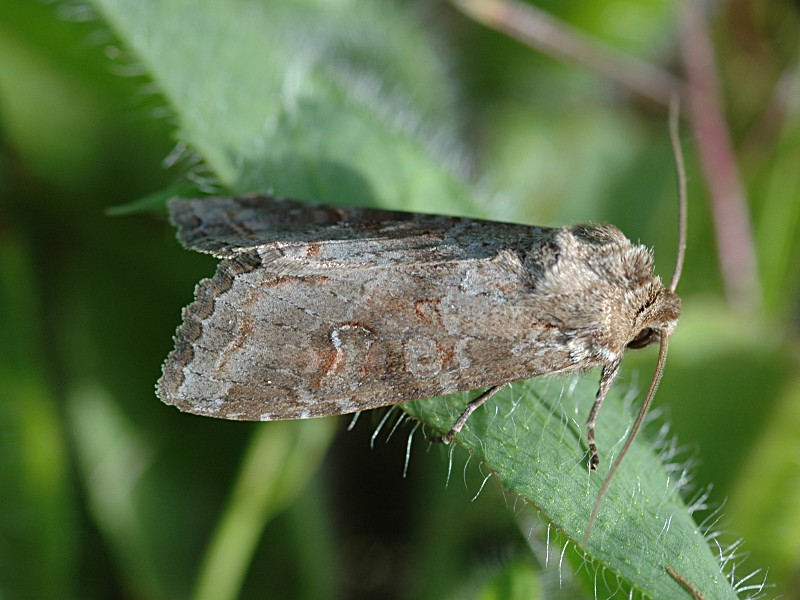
644, 338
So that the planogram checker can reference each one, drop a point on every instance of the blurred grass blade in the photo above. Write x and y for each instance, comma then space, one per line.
767, 512
281, 458
114, 457
37, 522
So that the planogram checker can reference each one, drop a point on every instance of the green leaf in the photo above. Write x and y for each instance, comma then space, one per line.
313, 100
532, 438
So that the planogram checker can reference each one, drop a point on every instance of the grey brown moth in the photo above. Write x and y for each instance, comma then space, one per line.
318, 311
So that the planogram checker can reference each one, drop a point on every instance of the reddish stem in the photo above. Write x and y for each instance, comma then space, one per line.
734, 239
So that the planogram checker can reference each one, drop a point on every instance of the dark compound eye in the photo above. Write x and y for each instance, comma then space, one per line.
644, 338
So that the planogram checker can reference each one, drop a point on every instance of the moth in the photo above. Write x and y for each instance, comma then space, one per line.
318, 311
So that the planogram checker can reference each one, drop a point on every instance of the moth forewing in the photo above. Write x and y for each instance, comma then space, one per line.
319, 311
360, 317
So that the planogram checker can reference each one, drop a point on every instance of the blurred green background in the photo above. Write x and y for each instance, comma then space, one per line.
107, 493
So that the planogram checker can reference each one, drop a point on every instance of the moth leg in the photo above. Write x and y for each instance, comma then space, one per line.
607, 378
471, 408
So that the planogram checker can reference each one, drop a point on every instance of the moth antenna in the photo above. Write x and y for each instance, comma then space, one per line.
680, 172
662, 358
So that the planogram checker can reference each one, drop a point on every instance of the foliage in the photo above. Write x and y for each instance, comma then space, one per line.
404, 105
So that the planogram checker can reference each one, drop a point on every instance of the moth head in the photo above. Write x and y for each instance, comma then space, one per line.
634, 308
659, 317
